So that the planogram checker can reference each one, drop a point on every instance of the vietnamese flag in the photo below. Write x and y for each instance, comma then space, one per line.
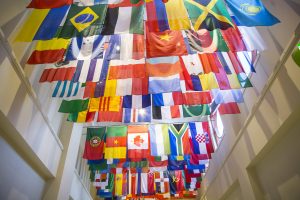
94, 143
160, 44
138, 142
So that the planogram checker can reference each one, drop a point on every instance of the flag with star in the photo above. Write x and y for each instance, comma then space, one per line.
160, 44
208, 14
138, 141
83, 21
116, 142
94, 143
177, 181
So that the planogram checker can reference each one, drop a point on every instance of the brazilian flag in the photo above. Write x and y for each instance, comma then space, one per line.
83, 21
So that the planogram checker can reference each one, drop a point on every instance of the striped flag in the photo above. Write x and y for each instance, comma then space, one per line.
88, 70
138, 142
164, 84
136, 101
57, 74
137, 115
167, 99
67, 89
179, 139
159, 139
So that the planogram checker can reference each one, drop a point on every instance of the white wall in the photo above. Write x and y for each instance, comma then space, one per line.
243, 144
78, 190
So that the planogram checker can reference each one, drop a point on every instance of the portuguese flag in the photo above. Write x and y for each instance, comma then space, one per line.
94, 143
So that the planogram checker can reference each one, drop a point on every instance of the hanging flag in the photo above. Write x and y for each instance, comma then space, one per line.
123, 87
67, 89
138, 141
160, 44
166, 16
122, 69
251, 13
83, 21
199, 137
208, 63
116, 142
163, 66
110, 116
49, 51
164, 84
111, 3
229, 108
86, 48
159, 139
73, 106
140, 86
167, 99
88, 70
57, 74
94, 143
210, 15
132, 115
147, 183
206, 41
234, 39
177, 181
196, 98
179, 139
120, 180
48, 4
227, 96
105, 104
136, 101
192, 64
41, 24
196, 111
81, 117
244, 80
120, 20
161, 180
107, 192
166, 112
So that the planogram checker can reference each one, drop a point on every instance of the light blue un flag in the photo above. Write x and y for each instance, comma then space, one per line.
251, 13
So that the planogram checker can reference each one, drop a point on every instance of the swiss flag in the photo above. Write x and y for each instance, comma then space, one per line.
138, 142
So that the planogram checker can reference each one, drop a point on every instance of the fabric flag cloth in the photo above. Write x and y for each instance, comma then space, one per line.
251, 13
110, 116
94, 143
166, 112
200, 138
107, 190
120, 20
206, 41
229, 108
138, 141
177, 181
81, 117
234, 39
122, 69
227, 96
83, 21
48, 4
192, 64
132, 115
86, 48
49, 51
167, 99
105, 104
209, 14
196, 98
170, 15
161, 180
73, 106
179, 139
195, 110
111, 3
116, 142
87, 70
164, 84
147, 183
67, 89
163, 66
57, 74
159, 139
41, 24
136, 101
160, 44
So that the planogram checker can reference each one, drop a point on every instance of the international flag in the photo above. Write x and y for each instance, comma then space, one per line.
192, 64
83, 21
138, 141
57, 74
204, 82
88, 70
105, 104
111, 3
159, 139
132, 115
136, 101
164, 84
94, 143
167, 99
161, 180
163, 16
166, 112
210, 14
177, 181
227, 96
48, 4
229, 108
67, 89
123, 86
207, 41
244, 80
196, 98
234, 39
122, 69
110, 116
179, 139
41, 24
251, 13
160, 44
73, 106
195, 110
200, 137
81, 117
140, 86
120, 20
208, 63
107, 190
163, 66
110, 88
116, 142
147, 183
120, 182
48, 51
177, 162
134, 183
86, 48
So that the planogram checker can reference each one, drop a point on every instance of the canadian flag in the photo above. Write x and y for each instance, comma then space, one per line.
138, 142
